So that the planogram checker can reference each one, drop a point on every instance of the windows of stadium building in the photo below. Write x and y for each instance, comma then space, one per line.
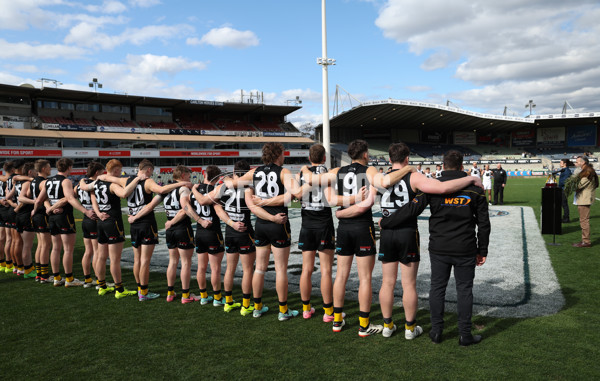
115, 109
156, 111
90, 107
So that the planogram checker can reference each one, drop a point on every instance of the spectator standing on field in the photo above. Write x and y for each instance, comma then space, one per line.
499, 184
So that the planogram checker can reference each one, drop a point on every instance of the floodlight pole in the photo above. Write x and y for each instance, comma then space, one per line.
325, 62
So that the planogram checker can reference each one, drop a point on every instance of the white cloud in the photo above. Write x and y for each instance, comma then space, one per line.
144, 3
89, 35
108, 6
227, 37
145, 74
510, 49
26, 51
20, 14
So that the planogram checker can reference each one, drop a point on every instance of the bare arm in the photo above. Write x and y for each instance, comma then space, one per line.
359, 208
146, 209
239, 226
433, 186
178, 217
41, 197
209, 198
150, 186
70, 196
25, 194
382, 181
240, 181
323, 179
333, 199
187, 207
280, 218
101, 215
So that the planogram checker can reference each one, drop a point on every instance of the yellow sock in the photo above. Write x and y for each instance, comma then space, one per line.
144, 291
337, 317
88, 280
57, 277
218, 295
306, 307
410, 327
203, 294
246, 302
21, 268
228, 299
70, 278
283, 308
363, 321
258, 306
171, 292
328, 310
9, 266
185, 295
389, 326
29, 270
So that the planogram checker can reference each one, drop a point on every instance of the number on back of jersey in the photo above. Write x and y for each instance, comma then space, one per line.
394, 198
267, 186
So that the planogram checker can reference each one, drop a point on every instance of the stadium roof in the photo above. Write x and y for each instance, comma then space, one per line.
394, 113
192, 105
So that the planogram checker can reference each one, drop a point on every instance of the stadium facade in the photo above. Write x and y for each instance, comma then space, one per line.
51, 123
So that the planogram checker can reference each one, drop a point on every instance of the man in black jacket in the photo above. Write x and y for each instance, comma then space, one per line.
453, 242
499, 184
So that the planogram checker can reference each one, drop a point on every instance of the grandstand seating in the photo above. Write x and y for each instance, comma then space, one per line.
268, 126
116, 123
166, 125
196, 125
227, 125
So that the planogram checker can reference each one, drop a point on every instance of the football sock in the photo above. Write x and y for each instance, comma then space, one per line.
45, 271
229, 297
217, 295
410, 325
185, 294
88, 278
144, 289
306, 305
283, 308
9, 264
119, 287
328, 308
69, 277
363, 318
388, 323
246, 300
258, 304
28, 269
57, 276
170, 290
337, 314
203, 293
102, 283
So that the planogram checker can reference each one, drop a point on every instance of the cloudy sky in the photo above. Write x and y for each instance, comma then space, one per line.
480, 55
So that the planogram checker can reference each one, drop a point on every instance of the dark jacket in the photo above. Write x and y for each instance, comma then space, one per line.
453, 219
565, 173
499, 176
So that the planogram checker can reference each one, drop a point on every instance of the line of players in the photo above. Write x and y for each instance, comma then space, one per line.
265, 191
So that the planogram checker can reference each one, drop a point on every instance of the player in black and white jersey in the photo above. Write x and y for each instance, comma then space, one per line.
475, 171
316, 234
486, 179
271, 183
438, 171
39, 219
143, 228
16, 243
209, 239
58, 190
3, 215
5, 224
24, 225
401, 245
179, 235
89, 226
106, 201
428, 173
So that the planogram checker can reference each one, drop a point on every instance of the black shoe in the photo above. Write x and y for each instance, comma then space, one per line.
436, 338
469, 340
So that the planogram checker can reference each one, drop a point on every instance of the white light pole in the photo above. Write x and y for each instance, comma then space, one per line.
325, 62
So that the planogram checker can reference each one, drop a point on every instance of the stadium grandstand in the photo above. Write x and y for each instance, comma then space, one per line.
51, 123
522, 145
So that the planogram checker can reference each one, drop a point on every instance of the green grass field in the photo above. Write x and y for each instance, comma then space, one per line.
59, 333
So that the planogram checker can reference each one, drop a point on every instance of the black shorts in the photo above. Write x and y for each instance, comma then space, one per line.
24, 222
40, 223
11, 219
239, 243
209, 241
180, 237
62, 224
111, 230
311, 239
356, 240
89, 228
399, 245
3, 216
270, 233
144, 233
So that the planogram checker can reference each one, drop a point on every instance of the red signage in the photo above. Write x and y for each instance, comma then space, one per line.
114, 153
31, 152
199, 153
